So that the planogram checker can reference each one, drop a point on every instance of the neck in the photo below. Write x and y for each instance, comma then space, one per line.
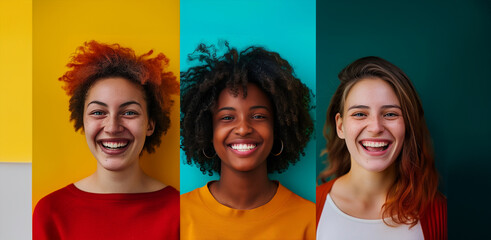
244, 190
368, 185
362, 193
129, 180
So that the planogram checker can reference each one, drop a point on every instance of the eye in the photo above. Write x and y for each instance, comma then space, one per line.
130, 113
258, 116
391, 115
97, 113
226, 118
358, 115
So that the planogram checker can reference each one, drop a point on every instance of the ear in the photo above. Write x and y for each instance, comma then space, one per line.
339, 126
151, 127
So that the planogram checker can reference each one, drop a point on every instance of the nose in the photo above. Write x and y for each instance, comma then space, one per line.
243, 127
113, 124
375, 125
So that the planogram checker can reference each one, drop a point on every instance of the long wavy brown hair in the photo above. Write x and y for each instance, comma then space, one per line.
416, 181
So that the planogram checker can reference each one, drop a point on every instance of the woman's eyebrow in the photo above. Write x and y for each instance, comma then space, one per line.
367, 107
391, 106
226, 108
259, 106
98, 103
129, 103
358, 106
122, 105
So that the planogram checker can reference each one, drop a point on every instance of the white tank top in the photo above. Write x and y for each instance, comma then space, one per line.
335, 224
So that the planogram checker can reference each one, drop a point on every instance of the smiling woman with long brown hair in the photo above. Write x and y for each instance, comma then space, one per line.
380, 156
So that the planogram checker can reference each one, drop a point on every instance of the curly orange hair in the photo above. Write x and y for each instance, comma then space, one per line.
94, 61
415, 186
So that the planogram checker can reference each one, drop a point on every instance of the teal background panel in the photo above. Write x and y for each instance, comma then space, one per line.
445, 49
283, 26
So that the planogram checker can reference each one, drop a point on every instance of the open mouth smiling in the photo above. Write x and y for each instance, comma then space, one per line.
375, 146
114, 145
241, 147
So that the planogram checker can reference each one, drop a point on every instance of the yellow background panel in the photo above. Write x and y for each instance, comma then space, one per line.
61, 155
15, 81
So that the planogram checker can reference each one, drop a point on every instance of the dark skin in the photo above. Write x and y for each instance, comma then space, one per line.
243, 139
244, 190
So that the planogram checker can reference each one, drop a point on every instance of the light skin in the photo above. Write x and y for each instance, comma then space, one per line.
116, 124
243, 138
373, 127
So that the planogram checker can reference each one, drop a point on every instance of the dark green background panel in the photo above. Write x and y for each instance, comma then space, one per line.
445, 48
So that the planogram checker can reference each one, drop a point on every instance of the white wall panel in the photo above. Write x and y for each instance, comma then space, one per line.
15, 201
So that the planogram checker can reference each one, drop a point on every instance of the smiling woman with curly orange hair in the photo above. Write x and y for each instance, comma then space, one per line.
121, 101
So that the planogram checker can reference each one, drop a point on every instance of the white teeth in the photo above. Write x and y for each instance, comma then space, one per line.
243, 147
114, 145
374, 144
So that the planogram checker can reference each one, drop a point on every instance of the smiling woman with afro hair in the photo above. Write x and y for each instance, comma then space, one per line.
121, 101
244, 115
201, 85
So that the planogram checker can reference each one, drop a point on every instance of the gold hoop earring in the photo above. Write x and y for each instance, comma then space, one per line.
281, 150
203, 150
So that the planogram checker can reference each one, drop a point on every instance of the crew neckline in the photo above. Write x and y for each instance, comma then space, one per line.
345, 215
117, 196
256, 214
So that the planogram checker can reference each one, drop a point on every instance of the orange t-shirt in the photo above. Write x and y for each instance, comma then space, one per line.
286, 216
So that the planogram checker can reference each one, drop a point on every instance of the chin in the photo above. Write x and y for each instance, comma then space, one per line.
113, 165
376, 167
244, 167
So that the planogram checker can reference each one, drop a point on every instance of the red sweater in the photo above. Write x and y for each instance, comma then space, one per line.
433, 221
70, 213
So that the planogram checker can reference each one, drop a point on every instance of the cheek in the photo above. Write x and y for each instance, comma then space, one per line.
267, 134
214, 138
402, 134
92, 127
88, 128
218, 135
351, 131
268, 138
90, 133
399, 130
137, 128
